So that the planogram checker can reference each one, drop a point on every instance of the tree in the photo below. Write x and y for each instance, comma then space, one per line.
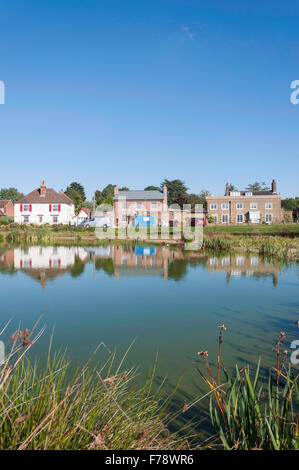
200, 198
290, 203
76, 197
175, 188
152, 188
231, 187
124, 188
258, 186
78, 188
10, 193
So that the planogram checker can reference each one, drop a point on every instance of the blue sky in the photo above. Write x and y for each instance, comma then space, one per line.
132, 92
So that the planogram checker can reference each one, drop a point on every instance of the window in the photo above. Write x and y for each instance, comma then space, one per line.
26, 219
123, 205
225, 206
240, 260
268, 205
240, 219
234, 193
254, 261
26, 207
139, 205
216, 218
40, 219
268, 218
239, 205
213, 206
225, 218
253, 205
124, 218
54, 207
55, 220
153, 205
248, 193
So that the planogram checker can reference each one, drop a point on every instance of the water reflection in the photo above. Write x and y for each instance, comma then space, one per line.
45, 263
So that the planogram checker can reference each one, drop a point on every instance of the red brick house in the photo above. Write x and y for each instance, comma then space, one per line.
6, 208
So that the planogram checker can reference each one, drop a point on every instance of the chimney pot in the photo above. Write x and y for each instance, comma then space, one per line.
227, 189
43, 189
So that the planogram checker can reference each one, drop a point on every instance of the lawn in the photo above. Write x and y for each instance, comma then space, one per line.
288, 230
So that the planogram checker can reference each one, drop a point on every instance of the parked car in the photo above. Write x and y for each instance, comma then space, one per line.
103, 222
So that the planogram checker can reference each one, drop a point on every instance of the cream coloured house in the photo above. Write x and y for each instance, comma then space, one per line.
44, 206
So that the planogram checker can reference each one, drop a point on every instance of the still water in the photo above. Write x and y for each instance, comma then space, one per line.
170, 301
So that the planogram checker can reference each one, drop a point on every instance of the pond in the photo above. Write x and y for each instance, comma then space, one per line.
171, 302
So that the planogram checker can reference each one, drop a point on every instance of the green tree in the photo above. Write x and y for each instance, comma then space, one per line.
290, 203
76, 198
124, 188
200, 198
175, 188
152, 188
231, 187
258, 186
78, 188
10, 193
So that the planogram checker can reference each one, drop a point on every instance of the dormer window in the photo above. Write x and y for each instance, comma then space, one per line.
234, 193
248, 193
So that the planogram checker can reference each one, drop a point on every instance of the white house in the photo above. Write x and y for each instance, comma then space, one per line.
44, 206
82, 216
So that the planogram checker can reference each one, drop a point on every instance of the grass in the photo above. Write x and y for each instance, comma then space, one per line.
97, 408
287, 230
248, 412
104, 407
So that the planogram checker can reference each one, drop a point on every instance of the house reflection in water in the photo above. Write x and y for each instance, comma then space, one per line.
244, 265
43, 263
46, 263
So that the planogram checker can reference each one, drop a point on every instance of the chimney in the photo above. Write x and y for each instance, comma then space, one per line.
43, 189
115, 190
165, 194
274, 189
227, 190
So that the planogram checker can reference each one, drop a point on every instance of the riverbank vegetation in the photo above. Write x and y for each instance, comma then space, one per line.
105, 407
281, 241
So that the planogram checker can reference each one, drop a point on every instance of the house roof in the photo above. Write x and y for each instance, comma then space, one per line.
139, 195
3, 203
85, 209
50, 197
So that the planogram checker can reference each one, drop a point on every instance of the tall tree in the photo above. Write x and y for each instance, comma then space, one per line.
10, 193
231, 187
175, 188
290, 203
78, 188
76, 197
152, 188
258, 186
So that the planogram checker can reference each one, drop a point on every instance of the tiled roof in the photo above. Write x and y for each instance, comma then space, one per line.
3, 203
50, 197
139, 195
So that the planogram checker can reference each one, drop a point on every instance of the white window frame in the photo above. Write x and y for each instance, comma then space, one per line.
242, 221
239, 206
268, 205
55, 221
225, 206
138, 205
154, 205
225, 216
215, 206
253, 206
271, 217
123, 205
54, 208
26, 206
26, 219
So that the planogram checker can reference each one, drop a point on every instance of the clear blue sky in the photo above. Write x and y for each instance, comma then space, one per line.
132, 92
